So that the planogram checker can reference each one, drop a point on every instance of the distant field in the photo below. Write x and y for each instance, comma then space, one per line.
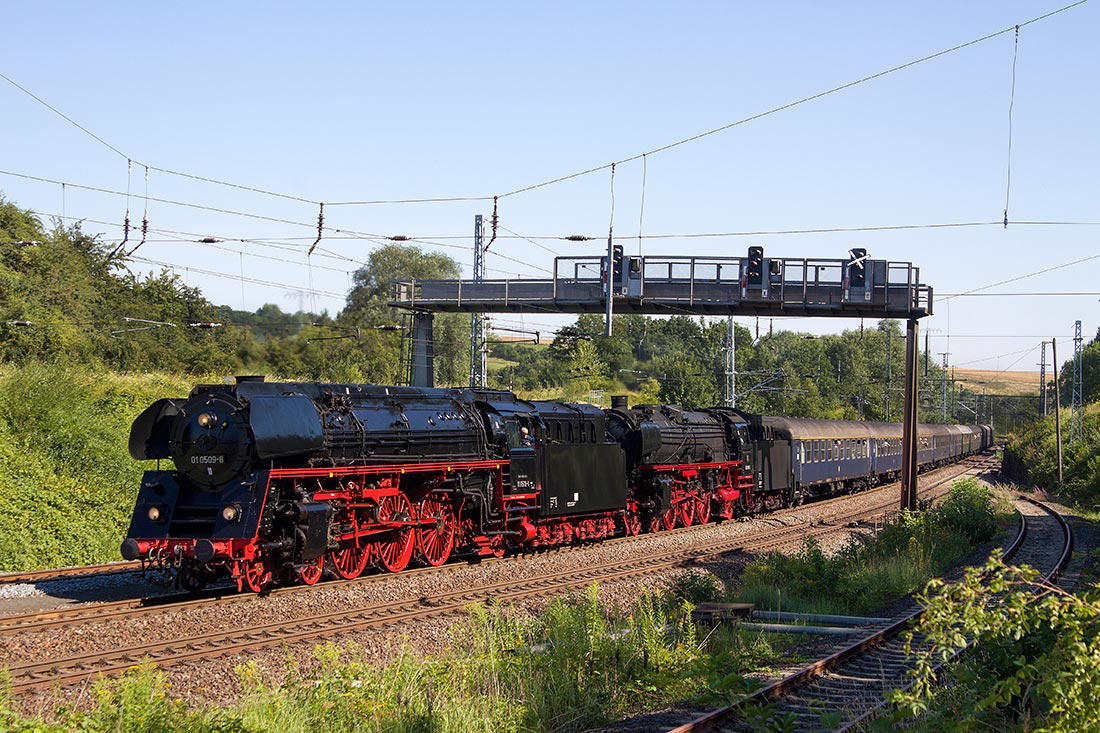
994, 382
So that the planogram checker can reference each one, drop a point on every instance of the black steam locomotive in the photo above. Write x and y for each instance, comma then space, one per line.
279, 482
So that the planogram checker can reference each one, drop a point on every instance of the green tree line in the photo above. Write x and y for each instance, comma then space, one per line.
70, 297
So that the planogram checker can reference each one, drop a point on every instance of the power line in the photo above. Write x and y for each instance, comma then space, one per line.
560, 179
61, 114
166, 201
529, 239
240, 278
948, 296
999, 356
130, 158
584, 238
445, 199
796, 103
1023, 295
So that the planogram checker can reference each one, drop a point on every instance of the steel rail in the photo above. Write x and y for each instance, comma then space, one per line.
718, 718
19, 623
38, 675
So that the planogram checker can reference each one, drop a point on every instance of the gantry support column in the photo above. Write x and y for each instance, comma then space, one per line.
423, 351
909, 420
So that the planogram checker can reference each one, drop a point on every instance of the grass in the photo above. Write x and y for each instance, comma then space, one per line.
66, 475
575, 667
995, 382
865, 576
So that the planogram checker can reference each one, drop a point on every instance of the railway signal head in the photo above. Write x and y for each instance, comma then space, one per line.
617, 264
857, 271
754, 267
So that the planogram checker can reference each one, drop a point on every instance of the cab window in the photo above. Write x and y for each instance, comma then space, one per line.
511, 428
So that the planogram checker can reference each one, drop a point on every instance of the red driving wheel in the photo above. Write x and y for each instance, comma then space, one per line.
393, 554
702, 508
685, 511
350, 559
435, 540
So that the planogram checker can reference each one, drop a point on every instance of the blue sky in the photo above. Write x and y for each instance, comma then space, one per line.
365, 101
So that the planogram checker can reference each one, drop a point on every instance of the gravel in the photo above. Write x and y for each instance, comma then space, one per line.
215, 682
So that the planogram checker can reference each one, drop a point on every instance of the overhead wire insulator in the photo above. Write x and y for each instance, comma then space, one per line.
205, 325
144, 234
578, 238
126, 221
125, 235
494, 222
399, 238
320, 229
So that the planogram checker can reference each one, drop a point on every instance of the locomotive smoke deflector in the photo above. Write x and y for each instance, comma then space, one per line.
150, 435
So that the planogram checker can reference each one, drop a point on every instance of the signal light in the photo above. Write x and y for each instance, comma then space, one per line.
857, 270
754, 268
616, 266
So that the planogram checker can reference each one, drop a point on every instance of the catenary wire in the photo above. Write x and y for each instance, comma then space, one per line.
795, 103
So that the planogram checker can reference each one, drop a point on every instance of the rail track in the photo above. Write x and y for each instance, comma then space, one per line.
174, 601
78, 571
39, 674
852, 682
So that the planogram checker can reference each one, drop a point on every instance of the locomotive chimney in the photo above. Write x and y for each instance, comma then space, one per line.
620, 402
249, 378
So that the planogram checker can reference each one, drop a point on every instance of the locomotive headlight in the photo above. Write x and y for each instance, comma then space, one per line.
155, 514
206, 419
232, 513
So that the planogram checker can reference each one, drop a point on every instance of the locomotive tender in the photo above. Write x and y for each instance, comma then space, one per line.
279, 482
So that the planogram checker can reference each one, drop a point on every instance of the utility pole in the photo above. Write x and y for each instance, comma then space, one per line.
731, 363
1043, 381
889, 358
1076, 417
943, 404
477, 320
909, 419
1057, 409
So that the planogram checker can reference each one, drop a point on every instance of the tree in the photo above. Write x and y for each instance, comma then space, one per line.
1090, 374
682, 384
368, 304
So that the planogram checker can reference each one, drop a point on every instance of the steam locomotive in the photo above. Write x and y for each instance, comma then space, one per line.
282, 482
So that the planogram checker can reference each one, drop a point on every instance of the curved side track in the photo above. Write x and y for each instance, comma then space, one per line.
852, 682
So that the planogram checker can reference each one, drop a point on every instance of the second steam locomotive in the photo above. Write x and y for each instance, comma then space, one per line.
279, 482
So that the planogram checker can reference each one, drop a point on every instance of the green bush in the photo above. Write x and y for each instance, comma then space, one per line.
66, 475
866, 575
1035, 664
573, 668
